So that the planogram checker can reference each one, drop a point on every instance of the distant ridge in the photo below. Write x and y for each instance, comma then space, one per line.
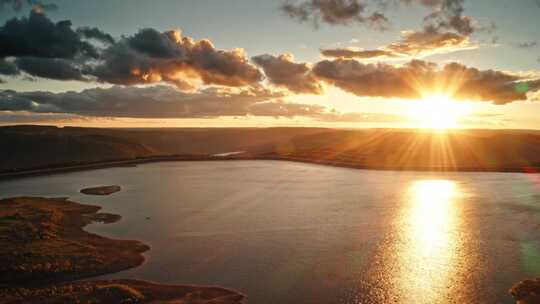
26, 148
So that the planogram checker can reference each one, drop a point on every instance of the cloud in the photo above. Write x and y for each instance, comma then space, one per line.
157, 102
40, 47
280, 108
9, 117
376, 80
52, 68
448, 15
412, 45
95, 33
445, 15
356, 53
165, 102
38, 36
150, 56
527, 44
420, 44
418, 78
56, 50
334, 12
282, 71
445, 30
17, 5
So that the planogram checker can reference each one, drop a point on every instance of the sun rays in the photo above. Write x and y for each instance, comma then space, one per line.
438, 112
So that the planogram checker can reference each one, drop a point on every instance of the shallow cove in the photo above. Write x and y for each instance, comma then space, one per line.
285, 232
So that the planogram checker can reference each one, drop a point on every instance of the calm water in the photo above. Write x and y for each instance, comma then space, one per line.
284, 232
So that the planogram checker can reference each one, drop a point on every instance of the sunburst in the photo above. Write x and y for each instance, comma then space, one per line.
437, 111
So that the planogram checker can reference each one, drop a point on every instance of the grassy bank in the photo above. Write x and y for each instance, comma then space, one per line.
44, 249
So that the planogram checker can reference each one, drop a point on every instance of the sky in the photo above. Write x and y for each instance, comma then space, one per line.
262, 63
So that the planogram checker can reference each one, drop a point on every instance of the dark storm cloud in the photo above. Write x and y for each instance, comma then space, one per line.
156, 102
150, 56
413, 44
335, 12
417, 77
38, 36
284, 72
52, 68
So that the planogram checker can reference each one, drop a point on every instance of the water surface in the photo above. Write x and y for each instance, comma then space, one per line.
285, 232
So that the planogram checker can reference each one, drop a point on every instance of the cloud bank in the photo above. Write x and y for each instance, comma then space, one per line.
164, 74
418, 78
165, 102
52, 50
150, 56
156, 102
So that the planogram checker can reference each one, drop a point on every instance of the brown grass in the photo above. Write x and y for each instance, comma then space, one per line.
43, 248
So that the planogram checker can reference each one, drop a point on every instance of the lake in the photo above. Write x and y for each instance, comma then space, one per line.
286, 232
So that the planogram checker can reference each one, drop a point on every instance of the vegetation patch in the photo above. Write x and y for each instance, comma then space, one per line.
102, 190
43, 249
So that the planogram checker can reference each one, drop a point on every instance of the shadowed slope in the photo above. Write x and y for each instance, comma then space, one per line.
34, 147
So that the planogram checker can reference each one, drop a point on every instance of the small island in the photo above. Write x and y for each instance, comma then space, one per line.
45, 253
101, 190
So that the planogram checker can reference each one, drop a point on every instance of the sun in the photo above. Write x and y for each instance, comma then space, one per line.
437, 112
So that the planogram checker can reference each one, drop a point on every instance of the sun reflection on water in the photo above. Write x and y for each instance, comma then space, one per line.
430, 215
428, 248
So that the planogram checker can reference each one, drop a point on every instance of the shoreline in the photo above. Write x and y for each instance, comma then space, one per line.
50, 258
34, 225
66, 168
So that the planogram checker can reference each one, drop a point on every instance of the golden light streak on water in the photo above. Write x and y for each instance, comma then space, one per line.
427, 252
